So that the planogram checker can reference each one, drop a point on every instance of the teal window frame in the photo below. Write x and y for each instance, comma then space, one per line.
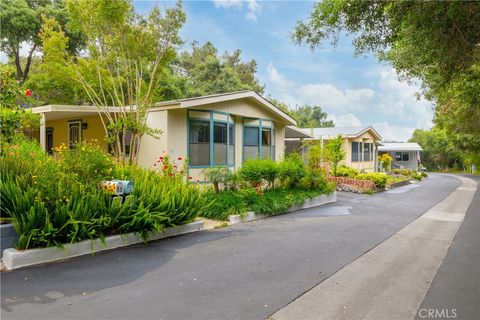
260, 126
211, 120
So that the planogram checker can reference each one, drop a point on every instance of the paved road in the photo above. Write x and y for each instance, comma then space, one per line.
247, 271
456, 286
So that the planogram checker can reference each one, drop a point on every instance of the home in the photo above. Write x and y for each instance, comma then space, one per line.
216, 130
360, 144
404, 154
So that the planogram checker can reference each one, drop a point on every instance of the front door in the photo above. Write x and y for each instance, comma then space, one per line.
50, 140
74, 133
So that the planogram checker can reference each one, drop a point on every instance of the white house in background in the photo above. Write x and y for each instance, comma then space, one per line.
404, 154
359, 143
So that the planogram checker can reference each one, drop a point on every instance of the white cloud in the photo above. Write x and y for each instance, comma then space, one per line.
253, 7
389, 105
393, 132
345, 120
228, 3
337, 100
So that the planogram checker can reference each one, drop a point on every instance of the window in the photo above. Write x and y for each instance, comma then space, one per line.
266, 143
405, 156
355, 151
211, 139
219, 143
367, 151
74, 133
231, 144
251, 142
199, 146
398, 156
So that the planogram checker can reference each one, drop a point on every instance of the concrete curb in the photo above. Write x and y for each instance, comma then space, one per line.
309, 203
14, 258
398, 184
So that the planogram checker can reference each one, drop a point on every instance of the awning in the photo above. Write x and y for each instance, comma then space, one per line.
292, 132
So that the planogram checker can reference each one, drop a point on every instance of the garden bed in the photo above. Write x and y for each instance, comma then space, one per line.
14, 258
309, 203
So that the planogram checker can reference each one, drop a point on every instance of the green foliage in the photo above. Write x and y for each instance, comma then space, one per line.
217, 176
291, 170
9, 88
202, 71
306, 116
380, 179
15, 121
439, 151
436, 42
257, 171
417, 176
385, 161
55, 202
220, 206
87, 163
344, 171
21, 21
335, 152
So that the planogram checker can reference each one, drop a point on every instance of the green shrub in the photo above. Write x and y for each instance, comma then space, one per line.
217, 176
416, 176
256, 171
55, 202
380, 179
87, 163
424, 174
344, 171
220, 206
291, 170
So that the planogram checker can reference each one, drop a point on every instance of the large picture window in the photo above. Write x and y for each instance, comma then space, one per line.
251, 142
258, 139
219, 143
355, 151
367, 152
211, 139
199, 146
266, 143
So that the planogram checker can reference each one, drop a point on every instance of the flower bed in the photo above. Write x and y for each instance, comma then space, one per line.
263, 187
352, 184
56, 201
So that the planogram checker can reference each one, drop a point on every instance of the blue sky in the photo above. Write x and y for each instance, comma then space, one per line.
352, 90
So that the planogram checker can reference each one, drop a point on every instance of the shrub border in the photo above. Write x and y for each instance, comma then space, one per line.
309, 203
13, 258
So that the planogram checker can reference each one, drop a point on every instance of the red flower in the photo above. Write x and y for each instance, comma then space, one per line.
28, 93
175, 166
161, 158
190, 177
179, 158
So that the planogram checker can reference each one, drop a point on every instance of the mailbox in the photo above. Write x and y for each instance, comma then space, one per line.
127, 185
111, 187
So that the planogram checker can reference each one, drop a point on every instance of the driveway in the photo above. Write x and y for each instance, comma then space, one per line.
247, 271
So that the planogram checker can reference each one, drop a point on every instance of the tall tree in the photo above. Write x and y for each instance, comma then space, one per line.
436, 42
21, 21
306, 116
203, 71
124, 59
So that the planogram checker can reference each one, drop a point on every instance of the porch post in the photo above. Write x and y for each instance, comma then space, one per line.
43, 132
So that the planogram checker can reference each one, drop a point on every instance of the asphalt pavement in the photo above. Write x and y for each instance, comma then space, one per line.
455, 290
246, 271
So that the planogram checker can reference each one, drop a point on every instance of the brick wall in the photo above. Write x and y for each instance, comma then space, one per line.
362, 184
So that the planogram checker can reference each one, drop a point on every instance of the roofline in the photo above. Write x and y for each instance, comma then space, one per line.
71, 108
222, 97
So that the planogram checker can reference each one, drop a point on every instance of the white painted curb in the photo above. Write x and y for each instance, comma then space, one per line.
14, 258
309, 203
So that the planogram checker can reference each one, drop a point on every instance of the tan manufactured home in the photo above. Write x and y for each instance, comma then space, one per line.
360, 144
216, 130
